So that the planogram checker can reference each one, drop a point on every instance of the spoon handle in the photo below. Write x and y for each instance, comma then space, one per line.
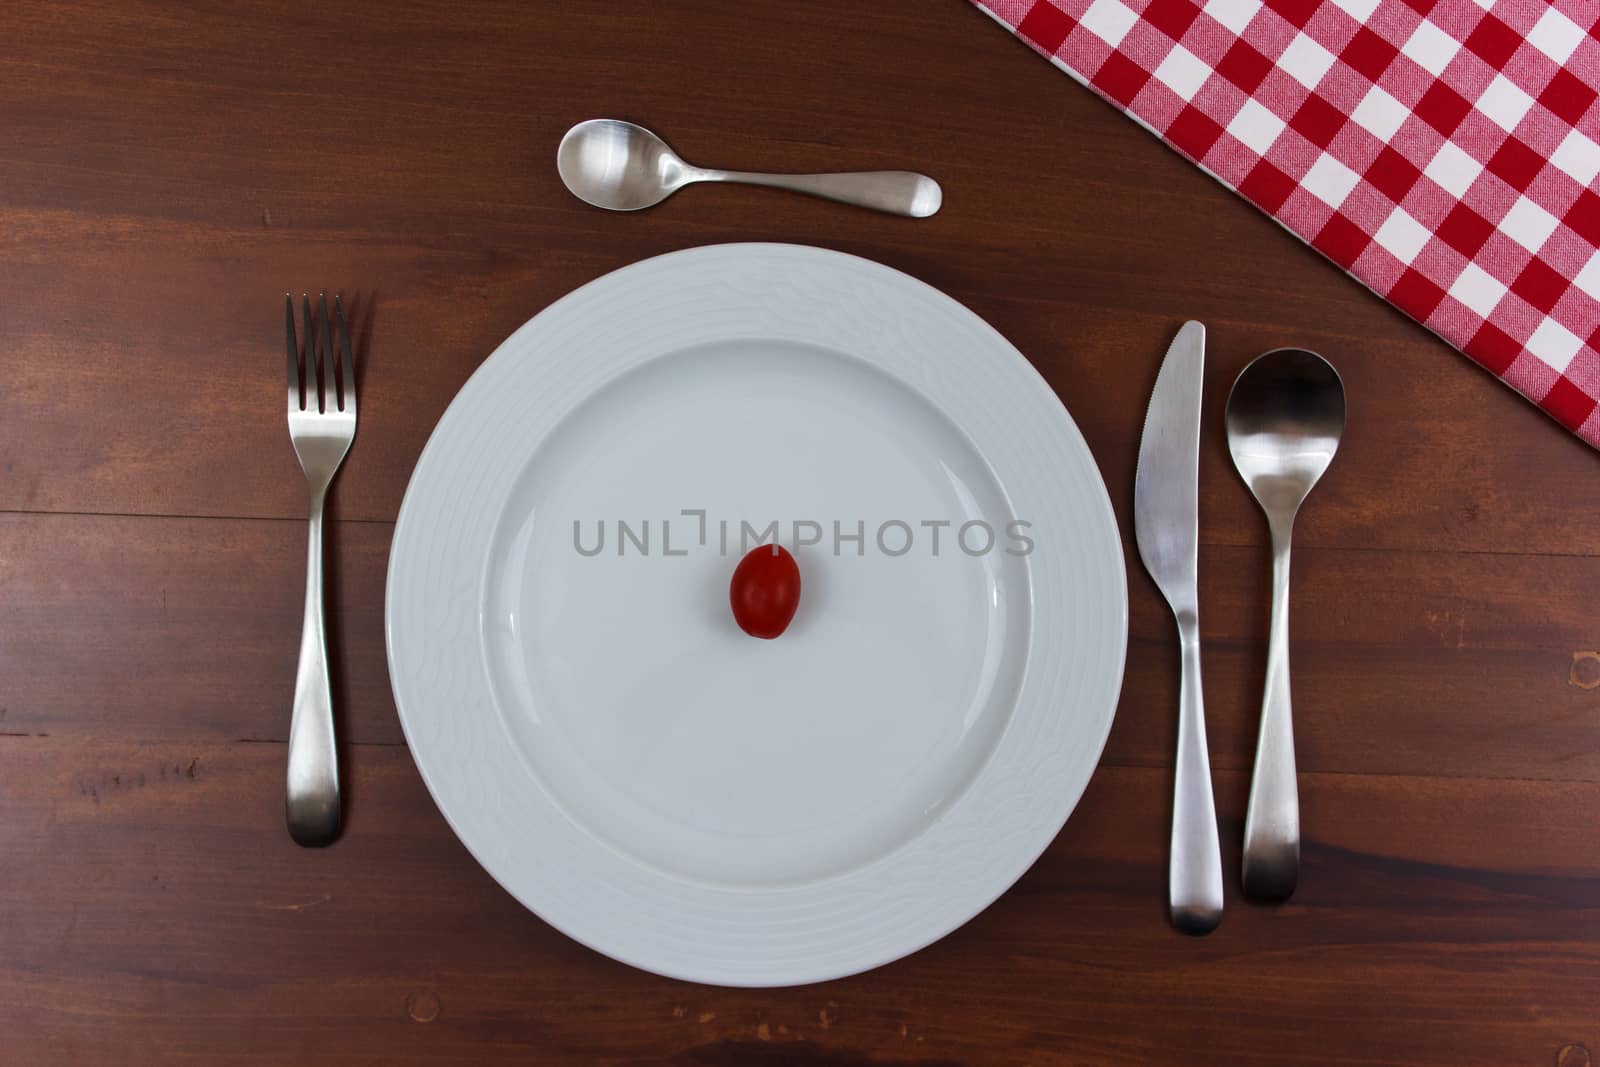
1272, 821
898, 192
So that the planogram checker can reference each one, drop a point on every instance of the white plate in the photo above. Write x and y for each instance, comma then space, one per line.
627, 762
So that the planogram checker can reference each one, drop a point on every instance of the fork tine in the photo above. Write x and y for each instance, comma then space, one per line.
330, 388
294, 352
347, 362
313, 358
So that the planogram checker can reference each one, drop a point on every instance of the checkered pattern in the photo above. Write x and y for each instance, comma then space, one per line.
1444, 152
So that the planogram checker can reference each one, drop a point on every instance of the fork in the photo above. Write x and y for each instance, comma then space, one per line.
322, 423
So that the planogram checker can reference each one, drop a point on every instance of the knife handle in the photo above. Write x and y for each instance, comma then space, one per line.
1194, 887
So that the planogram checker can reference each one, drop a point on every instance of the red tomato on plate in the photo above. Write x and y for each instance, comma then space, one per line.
765, 591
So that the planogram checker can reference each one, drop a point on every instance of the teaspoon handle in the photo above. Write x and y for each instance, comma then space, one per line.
1272, 821
898, 192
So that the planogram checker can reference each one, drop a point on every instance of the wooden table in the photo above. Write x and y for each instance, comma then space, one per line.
166, 173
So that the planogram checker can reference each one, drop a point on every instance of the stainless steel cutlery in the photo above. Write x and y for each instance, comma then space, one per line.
623, 167
1166, 515
322, 423
1285, 417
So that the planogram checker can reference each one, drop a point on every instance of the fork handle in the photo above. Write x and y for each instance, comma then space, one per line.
312, 797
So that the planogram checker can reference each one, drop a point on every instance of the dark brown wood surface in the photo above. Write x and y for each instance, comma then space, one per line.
168, 171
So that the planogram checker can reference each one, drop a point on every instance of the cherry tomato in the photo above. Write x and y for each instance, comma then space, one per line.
765, 591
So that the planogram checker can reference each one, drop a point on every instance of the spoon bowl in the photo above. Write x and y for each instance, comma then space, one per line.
618, 166
1285, 417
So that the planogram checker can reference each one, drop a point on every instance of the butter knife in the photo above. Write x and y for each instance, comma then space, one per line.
1166, 523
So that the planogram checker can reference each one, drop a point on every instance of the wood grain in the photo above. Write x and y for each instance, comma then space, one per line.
138, 941
169, 170
1405, 662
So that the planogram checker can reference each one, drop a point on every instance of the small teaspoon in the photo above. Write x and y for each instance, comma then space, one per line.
622, 167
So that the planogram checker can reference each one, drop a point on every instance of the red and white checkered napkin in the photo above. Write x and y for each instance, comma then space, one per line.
1444, 152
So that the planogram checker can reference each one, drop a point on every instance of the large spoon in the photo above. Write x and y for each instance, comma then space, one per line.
622, 167
1285, 417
